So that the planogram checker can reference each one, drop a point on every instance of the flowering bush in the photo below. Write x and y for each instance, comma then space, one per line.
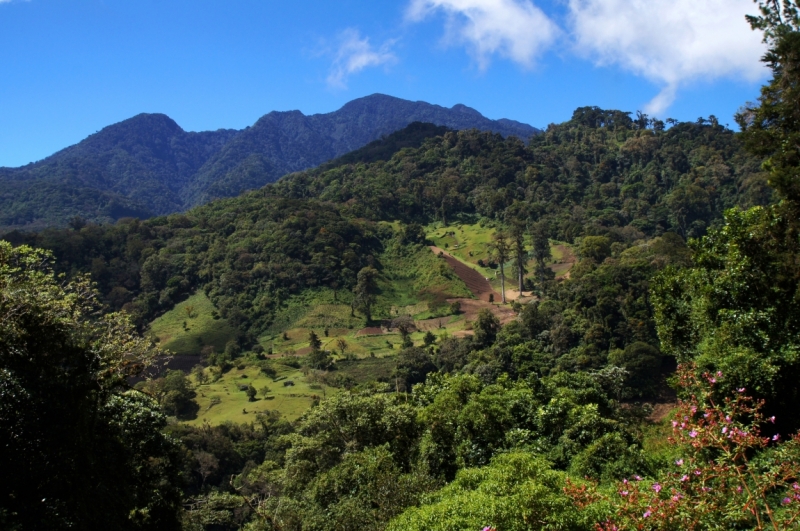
731, 476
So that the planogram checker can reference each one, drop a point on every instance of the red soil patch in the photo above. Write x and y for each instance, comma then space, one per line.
370, 331
471, 307
480, 287
476, 282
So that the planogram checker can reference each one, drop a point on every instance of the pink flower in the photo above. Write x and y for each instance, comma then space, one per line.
623, 493
712, 380
787, 501
637, 478
697, 472
727, 418
647, 514
679, 462
674, 423
776, 437
740, 390
739, 489
685, 478
725, 429
719, 374
772, 419
693, 434
656, 487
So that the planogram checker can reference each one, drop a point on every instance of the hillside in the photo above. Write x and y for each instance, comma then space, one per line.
148, 165
635, 192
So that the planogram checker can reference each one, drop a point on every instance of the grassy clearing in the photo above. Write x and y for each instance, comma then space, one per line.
190, 326
230, 403
466, 242
655, 439
224, 401
563, 258
413, 281
315, 309
469, 243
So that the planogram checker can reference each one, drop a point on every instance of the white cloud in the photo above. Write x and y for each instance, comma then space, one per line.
354, 54
515, 29
670, 42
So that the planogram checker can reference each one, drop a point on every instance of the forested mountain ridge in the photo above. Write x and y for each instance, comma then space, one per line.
600, 169
147, 165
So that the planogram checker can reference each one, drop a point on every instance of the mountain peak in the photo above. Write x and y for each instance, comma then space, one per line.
460, 107
150, 163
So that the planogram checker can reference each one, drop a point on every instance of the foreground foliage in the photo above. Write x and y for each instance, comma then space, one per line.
729, 476
73, 437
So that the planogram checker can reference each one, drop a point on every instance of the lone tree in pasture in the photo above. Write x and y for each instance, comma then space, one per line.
404, 325
341, 346
500, 251
364, 292
314, 341
251, 393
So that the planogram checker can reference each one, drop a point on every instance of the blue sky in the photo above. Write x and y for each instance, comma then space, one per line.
70, 67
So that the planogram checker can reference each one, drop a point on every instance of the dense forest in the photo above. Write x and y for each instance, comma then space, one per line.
653, 387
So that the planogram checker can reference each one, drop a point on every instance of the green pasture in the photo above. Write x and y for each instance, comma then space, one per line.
223, 400
190, 326
469, 243
414, 283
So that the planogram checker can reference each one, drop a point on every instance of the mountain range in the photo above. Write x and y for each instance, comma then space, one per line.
148, 165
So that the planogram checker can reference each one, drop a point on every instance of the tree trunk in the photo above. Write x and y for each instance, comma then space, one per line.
502, 284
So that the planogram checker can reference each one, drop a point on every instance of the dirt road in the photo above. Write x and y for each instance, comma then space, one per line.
479, 287
476, 282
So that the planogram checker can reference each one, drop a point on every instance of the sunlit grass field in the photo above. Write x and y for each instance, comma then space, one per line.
224, 401
190, 326
470, 242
